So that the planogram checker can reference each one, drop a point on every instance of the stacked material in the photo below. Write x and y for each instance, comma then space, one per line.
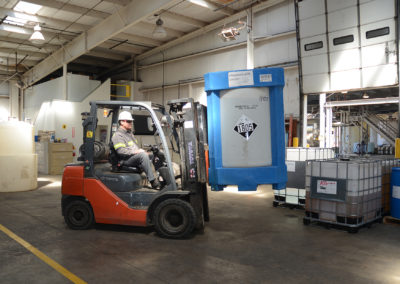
294, 194
347, 193
18, 161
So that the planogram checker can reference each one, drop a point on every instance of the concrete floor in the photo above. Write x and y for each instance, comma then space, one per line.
247, 241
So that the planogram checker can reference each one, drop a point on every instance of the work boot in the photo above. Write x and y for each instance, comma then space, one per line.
155, 184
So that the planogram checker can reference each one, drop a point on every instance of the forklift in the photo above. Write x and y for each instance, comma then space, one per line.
99, 188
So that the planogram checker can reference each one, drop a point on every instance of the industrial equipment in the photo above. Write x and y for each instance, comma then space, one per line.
96, 190
246, 128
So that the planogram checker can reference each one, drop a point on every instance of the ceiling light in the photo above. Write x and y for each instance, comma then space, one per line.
37, 37
365, 96
159, 31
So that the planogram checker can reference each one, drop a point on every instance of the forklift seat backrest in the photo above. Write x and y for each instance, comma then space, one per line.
117, 163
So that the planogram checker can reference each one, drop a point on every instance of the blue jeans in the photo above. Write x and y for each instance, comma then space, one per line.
142, 161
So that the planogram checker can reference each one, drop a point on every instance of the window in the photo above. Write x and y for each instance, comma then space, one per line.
313, 45
343, 39
377, 32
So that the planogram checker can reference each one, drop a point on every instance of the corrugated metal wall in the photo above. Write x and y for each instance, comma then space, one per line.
347, 44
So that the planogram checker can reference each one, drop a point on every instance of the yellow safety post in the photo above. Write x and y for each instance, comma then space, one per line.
397, 149
295, 141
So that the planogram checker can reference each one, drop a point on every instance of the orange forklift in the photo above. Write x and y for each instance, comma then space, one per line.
101, 189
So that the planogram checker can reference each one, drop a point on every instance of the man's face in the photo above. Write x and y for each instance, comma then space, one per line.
127, 124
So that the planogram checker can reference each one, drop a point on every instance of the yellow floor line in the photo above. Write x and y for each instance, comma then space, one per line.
43, 257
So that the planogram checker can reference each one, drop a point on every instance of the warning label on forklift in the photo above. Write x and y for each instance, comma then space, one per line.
327, 186
245, 126
240, 78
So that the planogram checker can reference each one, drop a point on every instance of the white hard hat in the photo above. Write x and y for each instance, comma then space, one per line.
125, 115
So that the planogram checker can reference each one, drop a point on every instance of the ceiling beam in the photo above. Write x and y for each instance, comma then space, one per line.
9, 68
75, 27
213, 6
11, 61
61, 24
138, 39
27, 32
263, 5
123, 47
88, 61
108, 28
105, 54
119, 2
22, 53
363, 102
149, 28
24, 42
71, 8
167, 15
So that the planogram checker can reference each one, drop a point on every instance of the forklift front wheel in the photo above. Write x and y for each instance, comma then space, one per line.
174, 218
79, 215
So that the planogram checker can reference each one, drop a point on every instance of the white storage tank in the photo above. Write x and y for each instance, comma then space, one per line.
18, 161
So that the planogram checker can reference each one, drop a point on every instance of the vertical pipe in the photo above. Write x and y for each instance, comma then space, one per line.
398, 61
65, 82
250, 41
290, 131
322, 120
304, 134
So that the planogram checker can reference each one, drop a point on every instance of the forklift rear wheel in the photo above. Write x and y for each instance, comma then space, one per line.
174, 218
79, 215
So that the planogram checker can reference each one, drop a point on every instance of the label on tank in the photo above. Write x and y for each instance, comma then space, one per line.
327, 186
240, 78
245, 126
291, 166
396, 192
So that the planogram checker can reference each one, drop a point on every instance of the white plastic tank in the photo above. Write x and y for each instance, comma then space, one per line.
246, 135
18, 161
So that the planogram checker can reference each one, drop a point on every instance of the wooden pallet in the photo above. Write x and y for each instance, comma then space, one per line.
391, 220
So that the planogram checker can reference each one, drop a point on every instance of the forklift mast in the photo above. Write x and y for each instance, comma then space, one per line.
190, 122
191, 125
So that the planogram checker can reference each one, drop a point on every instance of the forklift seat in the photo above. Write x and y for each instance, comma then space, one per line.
117, 164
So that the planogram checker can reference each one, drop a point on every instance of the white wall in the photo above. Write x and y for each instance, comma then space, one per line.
274, 21
65, 116
79, 87
4, 102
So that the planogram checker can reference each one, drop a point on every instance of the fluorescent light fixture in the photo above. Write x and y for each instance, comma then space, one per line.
15, 21
26, 7
159, 31
37, 37
201, 3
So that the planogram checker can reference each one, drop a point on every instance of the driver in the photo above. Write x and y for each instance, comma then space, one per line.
129, 151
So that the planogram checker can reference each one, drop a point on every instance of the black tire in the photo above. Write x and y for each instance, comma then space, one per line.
79, 215
306, 222
174, 218
275, 203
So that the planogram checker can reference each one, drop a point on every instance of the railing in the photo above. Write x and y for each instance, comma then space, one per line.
383, 127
